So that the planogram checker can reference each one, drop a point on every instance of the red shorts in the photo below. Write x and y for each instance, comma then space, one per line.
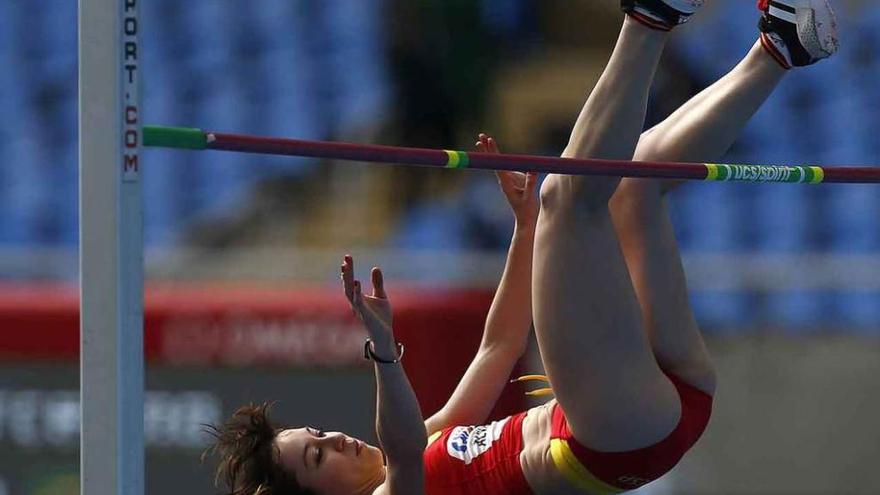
615, 472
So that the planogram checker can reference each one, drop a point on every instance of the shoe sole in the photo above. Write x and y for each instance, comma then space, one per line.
816, 24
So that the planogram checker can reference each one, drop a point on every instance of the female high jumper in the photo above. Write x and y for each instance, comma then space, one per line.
632, 379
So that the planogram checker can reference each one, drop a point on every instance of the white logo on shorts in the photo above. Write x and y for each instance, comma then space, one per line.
633, 481
468, 442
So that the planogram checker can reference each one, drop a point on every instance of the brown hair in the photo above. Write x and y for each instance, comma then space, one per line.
248, 461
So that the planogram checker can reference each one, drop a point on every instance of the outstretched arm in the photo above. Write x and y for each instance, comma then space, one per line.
510, 316
398, 418
505, 335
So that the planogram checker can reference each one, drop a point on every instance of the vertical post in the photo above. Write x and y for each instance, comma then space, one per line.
111, 250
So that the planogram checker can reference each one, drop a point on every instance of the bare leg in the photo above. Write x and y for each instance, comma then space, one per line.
702, 129
705, 127
587, 318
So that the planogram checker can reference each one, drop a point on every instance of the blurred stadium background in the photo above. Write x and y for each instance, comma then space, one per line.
242, 251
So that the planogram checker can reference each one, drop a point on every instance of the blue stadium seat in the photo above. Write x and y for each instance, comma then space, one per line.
432, 226
276, 22
852, 219
723, 39
197, 68
161, 35
803, 123
858, 312
355, 62
26, 198
707, 220
65, 203
14, 153
785, 226
8, 35
59, 31
290, 107
846, 140
162, 216
218, 178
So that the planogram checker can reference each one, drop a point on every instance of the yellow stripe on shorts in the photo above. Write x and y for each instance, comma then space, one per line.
434, 436
575, 472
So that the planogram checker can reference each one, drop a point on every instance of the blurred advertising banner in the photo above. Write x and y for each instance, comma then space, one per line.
210, 350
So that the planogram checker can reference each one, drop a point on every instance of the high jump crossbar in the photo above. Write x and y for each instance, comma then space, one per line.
197, 139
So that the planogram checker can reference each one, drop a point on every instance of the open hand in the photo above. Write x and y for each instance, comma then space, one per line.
518, 187
375, 309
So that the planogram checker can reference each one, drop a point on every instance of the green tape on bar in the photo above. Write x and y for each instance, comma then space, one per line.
457, 159
175, 137
764, 173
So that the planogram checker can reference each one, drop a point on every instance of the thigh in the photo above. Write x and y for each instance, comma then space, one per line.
654, 262
590, 333
675, 336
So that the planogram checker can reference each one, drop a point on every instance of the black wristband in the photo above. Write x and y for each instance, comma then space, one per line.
368, 353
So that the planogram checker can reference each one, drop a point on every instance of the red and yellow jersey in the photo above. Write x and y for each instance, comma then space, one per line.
484, 460
477, 460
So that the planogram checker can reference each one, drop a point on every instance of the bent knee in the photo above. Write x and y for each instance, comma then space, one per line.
551, 193
587, 194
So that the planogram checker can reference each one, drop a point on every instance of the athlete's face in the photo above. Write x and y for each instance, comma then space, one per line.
330, 463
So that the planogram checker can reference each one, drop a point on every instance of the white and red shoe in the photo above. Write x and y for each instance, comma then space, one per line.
798, 33
661, 14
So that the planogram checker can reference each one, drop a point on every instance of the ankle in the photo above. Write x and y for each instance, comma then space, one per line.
776, 50
645, 22
660, 15
761, 60
633, 24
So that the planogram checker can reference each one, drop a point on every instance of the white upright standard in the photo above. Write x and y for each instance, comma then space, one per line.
111, 250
